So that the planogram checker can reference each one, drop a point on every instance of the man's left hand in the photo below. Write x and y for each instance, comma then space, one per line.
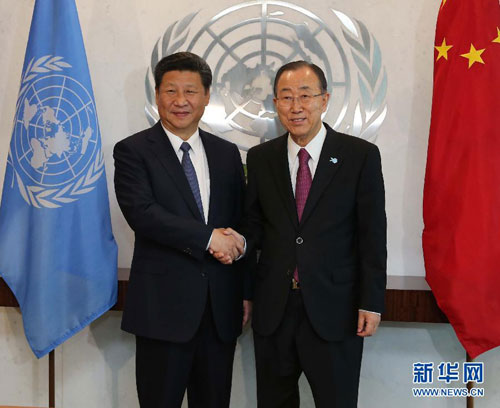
367, 323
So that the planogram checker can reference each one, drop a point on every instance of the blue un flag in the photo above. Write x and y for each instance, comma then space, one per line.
57, 251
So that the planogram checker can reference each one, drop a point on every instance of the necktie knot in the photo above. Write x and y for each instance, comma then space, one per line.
303, 156
185, 146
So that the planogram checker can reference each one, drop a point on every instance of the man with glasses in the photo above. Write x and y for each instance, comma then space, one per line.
315, 208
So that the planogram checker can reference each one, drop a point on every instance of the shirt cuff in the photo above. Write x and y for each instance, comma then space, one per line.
369, 311
244, 249
209, 241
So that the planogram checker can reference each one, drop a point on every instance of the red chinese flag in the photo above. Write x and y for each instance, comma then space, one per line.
461, 238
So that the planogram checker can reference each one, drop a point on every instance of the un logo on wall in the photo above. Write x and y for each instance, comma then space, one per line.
54, 146
246, 44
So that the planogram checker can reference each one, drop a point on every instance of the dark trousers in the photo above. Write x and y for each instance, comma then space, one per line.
203, 365
332, 368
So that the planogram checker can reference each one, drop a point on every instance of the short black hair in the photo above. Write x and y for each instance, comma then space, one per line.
294, 66
183, 61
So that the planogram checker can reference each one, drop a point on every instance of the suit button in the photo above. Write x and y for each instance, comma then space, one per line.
203, 275
299, 240
188, 251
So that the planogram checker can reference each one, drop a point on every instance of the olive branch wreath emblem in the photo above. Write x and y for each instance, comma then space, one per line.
370, 110
37, 195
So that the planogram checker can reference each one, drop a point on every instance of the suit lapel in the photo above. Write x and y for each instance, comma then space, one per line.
213, 161
278, 162
164, 152
329, 162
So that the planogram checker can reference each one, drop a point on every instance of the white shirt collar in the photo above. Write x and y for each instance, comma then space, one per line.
313, 147
194, 141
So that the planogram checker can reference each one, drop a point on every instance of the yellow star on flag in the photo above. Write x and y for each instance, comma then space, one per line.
497, 40
443, 3
473, 55
442, 50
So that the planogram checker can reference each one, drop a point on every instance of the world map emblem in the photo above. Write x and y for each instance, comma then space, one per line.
246, 44
55, 151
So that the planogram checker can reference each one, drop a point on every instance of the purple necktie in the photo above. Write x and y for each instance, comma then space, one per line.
302, 187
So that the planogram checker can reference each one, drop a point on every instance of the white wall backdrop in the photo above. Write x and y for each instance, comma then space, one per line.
119, 37
96, 367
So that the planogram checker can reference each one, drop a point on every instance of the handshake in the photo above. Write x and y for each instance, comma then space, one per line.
226, 245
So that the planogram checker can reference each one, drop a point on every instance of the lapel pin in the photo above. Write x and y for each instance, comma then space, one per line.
333, 160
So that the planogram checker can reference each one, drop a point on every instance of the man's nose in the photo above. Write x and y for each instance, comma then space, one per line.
180, 99
296, 104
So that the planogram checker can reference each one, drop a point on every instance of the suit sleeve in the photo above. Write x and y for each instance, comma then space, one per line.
247, 263
372, 233
145, 215
252, 216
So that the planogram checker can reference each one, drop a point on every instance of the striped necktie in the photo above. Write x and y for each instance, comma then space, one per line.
190, 172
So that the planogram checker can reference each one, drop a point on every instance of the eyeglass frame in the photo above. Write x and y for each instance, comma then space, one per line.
289, 100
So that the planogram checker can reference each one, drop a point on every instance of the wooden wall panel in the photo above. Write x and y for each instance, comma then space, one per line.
400, 305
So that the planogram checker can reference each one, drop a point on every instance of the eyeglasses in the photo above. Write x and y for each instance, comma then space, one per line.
303, 100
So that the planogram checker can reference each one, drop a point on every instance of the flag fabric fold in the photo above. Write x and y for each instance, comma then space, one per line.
461, 237
57, 251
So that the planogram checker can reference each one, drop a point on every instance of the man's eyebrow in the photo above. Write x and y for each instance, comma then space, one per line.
305, 87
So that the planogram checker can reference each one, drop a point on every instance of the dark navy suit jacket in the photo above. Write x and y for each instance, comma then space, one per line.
172, 273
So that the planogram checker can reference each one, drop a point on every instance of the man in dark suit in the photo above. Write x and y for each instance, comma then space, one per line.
177, 187
315, 208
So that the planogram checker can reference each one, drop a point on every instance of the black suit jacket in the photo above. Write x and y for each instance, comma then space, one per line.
339, 245
172, 273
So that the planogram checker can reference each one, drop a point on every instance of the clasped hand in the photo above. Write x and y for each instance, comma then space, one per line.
226, 245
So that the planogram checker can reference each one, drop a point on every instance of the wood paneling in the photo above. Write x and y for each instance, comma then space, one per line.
6, 297
412, 306
400, 305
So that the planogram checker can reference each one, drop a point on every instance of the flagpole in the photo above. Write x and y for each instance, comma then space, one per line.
52, 383
470, 385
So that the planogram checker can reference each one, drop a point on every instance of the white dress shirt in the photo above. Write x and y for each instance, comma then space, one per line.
199, 159
200, 163
313, 148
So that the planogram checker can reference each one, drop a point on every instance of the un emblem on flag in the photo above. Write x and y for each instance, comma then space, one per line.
55, 150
